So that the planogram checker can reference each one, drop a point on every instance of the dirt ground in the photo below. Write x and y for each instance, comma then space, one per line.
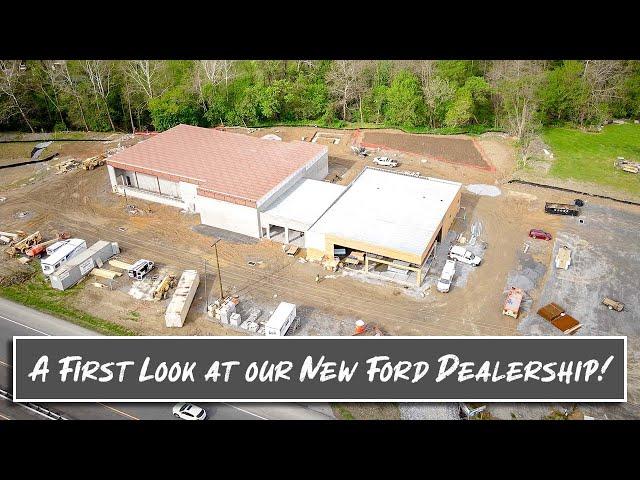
451, 149
81, 202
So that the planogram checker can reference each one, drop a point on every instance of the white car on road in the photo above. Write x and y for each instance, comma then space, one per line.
463, 255
385, 162
189, 411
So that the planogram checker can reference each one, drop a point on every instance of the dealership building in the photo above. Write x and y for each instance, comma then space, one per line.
273, 189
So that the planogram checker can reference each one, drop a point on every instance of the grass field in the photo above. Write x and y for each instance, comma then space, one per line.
38, 294
589, 157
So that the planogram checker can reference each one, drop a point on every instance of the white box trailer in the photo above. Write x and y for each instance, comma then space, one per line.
180, 303
77, 267
61, 252
280, 321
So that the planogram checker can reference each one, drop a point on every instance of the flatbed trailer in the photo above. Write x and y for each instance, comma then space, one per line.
512, 303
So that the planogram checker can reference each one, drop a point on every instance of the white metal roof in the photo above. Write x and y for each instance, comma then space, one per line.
303, 204
390, 210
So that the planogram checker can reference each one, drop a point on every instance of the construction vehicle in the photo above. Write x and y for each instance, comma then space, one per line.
40, 248
166, 284
93, 162
24, 244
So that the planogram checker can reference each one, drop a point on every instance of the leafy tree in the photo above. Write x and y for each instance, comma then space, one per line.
404, 102
471, 104
174, 107
563, 93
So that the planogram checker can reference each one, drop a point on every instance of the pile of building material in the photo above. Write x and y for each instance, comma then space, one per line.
627, 166
355, 258
563, 258
181, 300
223, 309
79, 266
67, 166
103, 273
7, 237
21, 246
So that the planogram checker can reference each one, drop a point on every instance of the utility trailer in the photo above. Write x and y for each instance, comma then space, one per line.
561, 209
79, 266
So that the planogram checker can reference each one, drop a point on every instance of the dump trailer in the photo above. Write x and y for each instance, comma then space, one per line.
79, 266
181, 300
561, 209
557, 316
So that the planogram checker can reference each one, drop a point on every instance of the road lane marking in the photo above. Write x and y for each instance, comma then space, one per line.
3, 417
25, 326
5, 364
119, 411
245, 411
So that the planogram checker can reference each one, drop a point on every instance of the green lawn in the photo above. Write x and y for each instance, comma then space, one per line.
38, 294
589, 157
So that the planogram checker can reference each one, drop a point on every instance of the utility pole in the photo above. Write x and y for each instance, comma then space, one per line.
206, 303
215, 246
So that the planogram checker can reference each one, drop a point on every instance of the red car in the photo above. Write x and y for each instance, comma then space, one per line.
539, 234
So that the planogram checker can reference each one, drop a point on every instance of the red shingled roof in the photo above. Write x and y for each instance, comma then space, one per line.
227, 166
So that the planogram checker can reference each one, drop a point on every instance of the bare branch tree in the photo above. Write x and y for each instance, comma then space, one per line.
99, 73
69, 85
345, 82
11, 85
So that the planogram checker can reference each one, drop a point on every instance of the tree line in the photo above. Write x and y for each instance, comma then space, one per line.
445, 96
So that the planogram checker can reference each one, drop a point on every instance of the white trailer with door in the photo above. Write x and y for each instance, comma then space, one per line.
180, 303
280, 321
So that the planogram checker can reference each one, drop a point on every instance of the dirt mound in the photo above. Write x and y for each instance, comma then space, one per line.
13, 273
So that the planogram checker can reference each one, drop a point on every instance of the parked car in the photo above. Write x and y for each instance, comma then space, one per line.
463, 255
189, 411
539, 234
385, 162
449, 270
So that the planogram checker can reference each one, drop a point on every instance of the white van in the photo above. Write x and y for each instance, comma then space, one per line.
60, 252
449, 270
279, 323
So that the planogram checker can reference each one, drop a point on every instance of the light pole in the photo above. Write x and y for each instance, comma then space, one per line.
215, 246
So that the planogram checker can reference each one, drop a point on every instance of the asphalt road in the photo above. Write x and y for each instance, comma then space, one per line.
19, 320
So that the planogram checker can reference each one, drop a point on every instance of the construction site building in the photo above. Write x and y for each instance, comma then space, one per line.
228, 178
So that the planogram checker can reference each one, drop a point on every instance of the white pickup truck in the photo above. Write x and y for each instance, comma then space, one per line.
449, 270
385, 162
463, 255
